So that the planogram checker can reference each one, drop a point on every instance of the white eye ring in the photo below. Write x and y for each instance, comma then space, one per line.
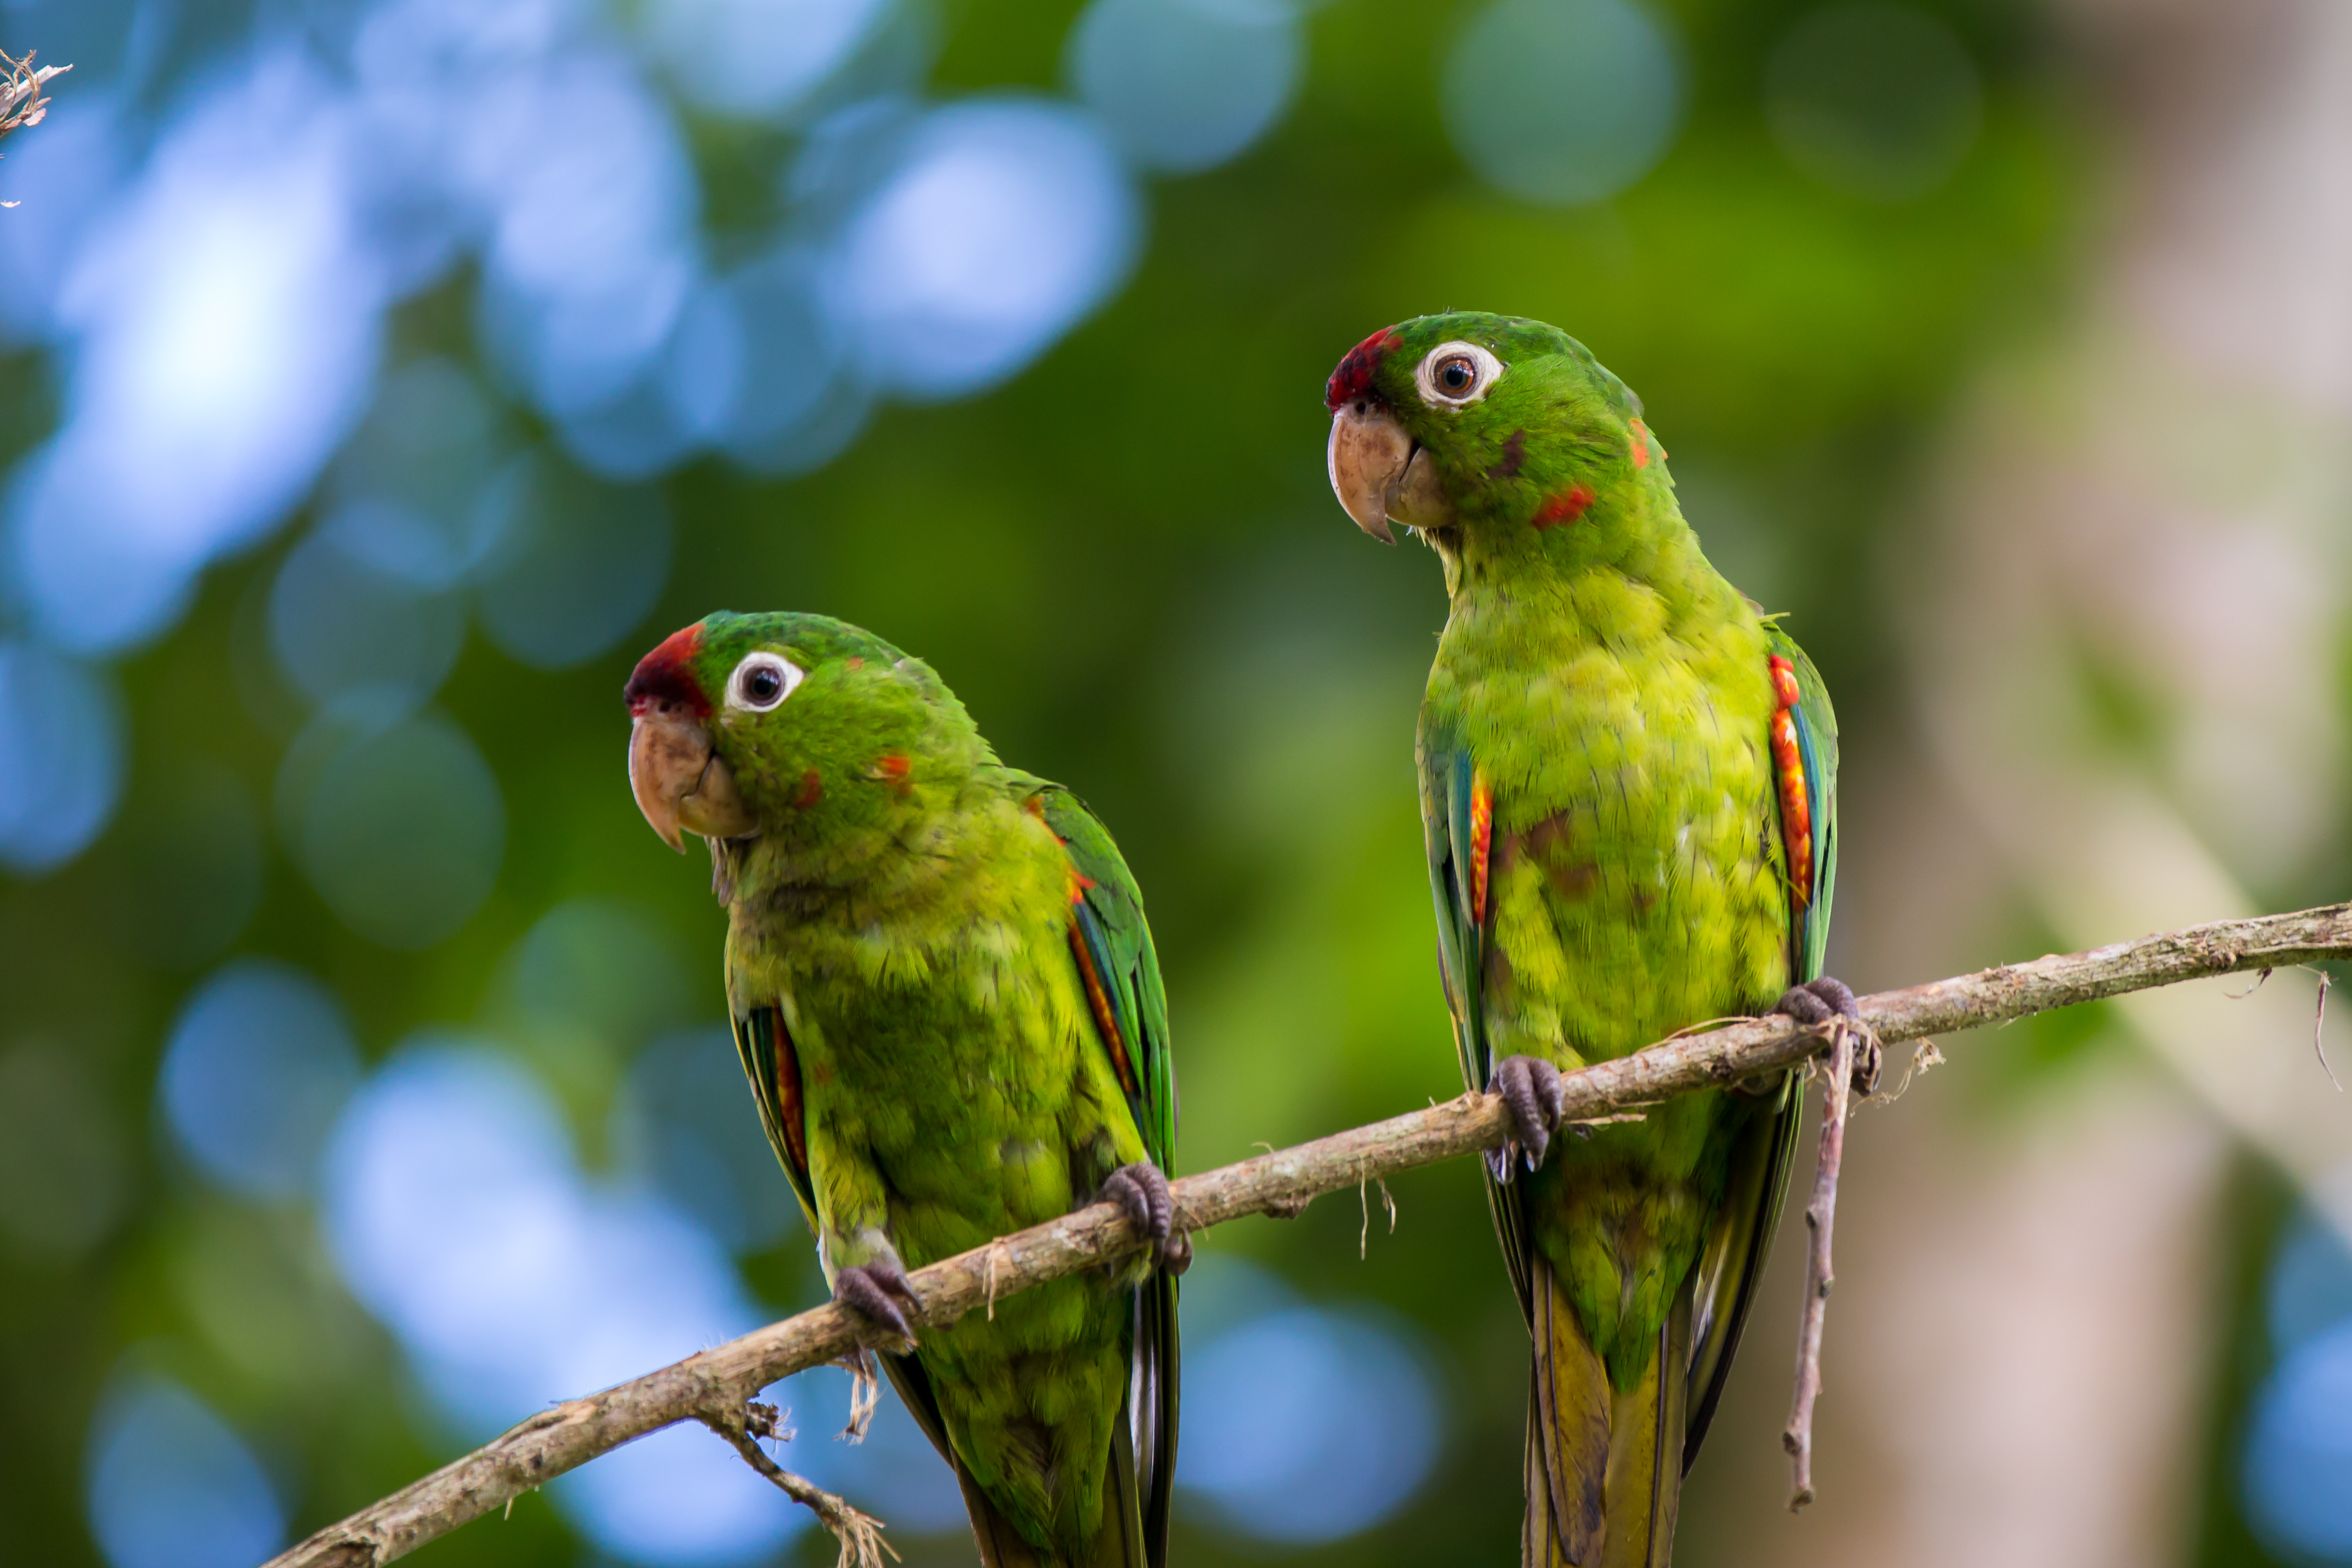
1485, 371
761, 681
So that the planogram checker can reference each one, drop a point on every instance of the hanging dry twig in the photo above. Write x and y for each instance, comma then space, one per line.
1821, 1217
709, 1384
2319, 1031
862, 1545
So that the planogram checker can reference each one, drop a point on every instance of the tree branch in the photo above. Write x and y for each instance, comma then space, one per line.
713, 1388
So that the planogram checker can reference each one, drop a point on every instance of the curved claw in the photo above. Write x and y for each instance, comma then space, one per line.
868, 1289
1534, 1096
1817, 1002
1142, 1193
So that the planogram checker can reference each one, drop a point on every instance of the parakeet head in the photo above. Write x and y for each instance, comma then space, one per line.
1493, 431
745, 726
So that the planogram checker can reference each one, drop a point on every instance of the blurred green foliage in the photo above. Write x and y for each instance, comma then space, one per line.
1128, 564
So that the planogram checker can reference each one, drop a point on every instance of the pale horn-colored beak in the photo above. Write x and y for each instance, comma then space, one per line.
1381, 473
679, 781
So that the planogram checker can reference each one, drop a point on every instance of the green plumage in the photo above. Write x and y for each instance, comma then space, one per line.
906, 932
1606, 696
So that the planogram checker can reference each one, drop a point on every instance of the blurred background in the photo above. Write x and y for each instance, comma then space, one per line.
378, 378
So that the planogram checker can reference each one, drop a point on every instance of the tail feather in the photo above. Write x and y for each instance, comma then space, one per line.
1604, 1466
1001, 1545
1118, 1542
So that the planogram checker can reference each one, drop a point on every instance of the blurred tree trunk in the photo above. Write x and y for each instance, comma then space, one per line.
2126, 642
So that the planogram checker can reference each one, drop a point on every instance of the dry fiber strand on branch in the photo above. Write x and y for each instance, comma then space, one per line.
715, 1386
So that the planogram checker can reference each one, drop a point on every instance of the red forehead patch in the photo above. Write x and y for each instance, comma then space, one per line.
666, 676
1353, 379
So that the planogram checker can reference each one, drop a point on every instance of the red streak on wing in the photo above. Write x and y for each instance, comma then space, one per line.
1482, 840
811, 791
666, 676
1099, 1000
1789, 770
893, 770
789, 1110
1564, 508
1353, 379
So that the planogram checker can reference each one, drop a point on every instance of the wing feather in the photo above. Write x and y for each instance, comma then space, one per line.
1112, 943
1732, 1264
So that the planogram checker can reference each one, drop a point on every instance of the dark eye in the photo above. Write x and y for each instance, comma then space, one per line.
1456, 374
761, 681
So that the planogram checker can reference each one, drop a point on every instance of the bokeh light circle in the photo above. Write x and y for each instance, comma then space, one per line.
684, 1120
756, 58
579, 562
407, 486
1185, 85
396, 819
2298, 1451
1302, 1423
338, 623
60, 756
1879, 99
1004, 223
171, 1485
258, 1067
1566, 101
457, 1211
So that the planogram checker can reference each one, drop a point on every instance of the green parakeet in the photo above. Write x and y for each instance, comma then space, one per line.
948, 1005
1628, 787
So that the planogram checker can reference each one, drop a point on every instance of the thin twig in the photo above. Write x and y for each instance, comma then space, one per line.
2251, 986
1925, 1058
862, 1545
1821, 1218
556, 1440
2318, 1028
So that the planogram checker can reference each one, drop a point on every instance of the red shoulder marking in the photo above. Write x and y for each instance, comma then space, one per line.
811, 791
1482, 840
788, 1095
1099, 1001
1789, 773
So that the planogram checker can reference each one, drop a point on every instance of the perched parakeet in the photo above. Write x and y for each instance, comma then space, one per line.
1628, 787
948, 1005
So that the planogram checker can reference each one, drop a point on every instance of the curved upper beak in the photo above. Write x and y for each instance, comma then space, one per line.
1380, 473
679, 781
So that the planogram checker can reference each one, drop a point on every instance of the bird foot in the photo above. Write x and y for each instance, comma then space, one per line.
869, 1289
1141, 1192
1533, 1096
1817, 1002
